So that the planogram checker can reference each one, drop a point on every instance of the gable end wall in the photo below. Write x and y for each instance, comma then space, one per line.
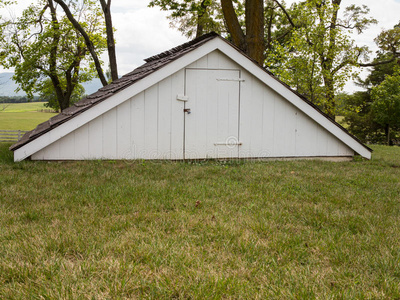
150, 125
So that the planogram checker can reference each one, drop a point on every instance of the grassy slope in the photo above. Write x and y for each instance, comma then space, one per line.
23, 116
276, 230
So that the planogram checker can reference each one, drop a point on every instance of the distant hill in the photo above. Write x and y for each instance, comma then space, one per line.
8, 86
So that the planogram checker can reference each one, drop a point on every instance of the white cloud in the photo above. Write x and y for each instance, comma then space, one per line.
142, 32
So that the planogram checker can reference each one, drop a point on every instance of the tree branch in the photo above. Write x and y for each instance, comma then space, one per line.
286, 13
232, 23
377, 63
88, 42
106, 6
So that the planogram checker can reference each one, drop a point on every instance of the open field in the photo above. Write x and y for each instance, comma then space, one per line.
206, 230
23, 107
23, 116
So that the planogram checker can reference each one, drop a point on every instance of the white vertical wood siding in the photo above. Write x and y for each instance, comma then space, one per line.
272, 127
150, 125
147, 126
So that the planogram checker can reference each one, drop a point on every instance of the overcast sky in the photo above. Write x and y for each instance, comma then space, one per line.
143, 32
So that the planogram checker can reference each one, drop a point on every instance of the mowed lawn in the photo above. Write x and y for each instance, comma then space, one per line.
23, 116
205, 230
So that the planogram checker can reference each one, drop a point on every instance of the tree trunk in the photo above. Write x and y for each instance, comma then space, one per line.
255, 29
253, 42
63, 103
327, 59
387, 133
110, 39
200, 15
330, 97
88, 42
233, 25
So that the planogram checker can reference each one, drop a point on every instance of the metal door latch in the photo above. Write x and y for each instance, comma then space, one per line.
187, 110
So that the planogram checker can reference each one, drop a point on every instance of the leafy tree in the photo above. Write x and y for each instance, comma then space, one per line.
42, 44
386, 104
361, 113
360, 120
388, 42
320, 55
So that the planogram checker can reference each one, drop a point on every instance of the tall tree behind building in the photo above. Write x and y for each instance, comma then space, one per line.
42, 44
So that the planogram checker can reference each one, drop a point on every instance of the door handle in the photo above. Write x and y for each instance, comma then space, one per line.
187, 110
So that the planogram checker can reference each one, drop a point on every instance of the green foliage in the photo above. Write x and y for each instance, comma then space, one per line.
389, 40
193, 18
48, 94
360, 120
386, 102
318, 58
373, 115
379, 71
41, 45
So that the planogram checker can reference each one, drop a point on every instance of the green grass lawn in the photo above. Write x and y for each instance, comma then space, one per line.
207, 230
23, 116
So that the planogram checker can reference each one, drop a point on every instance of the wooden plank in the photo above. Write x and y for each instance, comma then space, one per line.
82, 142
228, 114
51, 152
195, 135
67, 147
322, 141
151, 122
177, 115
306, 136
254, 114
124, 130
137, 127
95, 138
164, 118
110, 134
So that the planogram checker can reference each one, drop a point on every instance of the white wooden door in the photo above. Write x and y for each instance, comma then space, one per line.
211, 114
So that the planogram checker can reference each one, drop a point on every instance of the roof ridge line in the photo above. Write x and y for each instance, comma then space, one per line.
181, 47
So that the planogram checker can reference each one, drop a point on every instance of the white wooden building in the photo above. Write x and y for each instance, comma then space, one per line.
203, 99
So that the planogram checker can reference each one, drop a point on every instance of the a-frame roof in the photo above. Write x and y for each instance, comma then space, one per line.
158, 67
